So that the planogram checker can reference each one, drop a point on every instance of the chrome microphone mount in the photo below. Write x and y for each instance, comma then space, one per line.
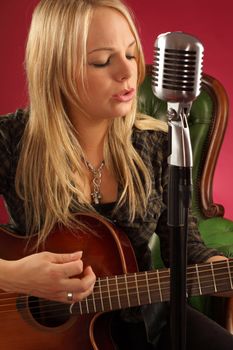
181, 149
180, 162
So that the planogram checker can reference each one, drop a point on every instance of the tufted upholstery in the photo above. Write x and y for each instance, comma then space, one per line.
207, 125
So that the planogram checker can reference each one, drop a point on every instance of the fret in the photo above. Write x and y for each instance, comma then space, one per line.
150, 289
94, 304
229, 273
80, 307
97, 296
198, 279
112, 293
101, 294
71, 308
76, 308
212, 270
134, 290
127, 292
159, 284
140, 288
221, 270
118, 294
109, 295
106, 302
210, 280
137, 290
206, 279
122, 297
87, 306
147, 286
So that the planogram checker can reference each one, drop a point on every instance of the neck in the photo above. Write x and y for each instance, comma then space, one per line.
91, 135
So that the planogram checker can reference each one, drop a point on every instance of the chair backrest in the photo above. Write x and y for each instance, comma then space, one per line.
207, 125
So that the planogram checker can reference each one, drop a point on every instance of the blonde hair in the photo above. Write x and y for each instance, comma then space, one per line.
51, 153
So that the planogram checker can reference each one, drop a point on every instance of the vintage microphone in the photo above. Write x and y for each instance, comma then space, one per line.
176, 79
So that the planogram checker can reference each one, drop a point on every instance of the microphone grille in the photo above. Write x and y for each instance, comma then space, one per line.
177, 67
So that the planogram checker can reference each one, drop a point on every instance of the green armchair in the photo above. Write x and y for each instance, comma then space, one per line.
207, 124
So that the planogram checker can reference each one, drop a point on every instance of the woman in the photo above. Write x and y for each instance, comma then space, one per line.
81, 147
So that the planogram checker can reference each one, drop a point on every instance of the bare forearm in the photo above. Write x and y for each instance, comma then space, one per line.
5, 272
48, 275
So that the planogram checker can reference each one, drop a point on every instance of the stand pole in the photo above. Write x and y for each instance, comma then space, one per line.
179, 191
179, 199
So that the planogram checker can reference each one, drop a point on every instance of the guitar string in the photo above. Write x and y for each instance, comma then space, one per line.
107, 298
54, 314
153, 273
89, 299
29, 317
96, 292
190, 271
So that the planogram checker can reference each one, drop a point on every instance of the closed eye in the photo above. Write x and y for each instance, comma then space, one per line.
100, 65
129, 57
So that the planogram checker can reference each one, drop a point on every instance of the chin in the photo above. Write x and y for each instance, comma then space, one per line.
120, 112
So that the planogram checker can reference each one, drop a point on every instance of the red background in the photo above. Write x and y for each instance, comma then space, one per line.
210, 21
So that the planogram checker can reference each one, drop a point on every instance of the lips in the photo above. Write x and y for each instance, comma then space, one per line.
124, 95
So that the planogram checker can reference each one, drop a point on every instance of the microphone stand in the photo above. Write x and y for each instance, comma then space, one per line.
179, 201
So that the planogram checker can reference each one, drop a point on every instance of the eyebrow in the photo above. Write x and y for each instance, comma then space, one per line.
109, 48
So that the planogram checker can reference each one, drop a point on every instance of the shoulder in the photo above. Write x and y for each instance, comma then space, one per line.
12, 125
149, 142
19, 117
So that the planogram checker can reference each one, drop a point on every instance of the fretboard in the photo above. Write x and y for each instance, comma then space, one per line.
140, 288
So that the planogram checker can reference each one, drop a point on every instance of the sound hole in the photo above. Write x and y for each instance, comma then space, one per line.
48, 313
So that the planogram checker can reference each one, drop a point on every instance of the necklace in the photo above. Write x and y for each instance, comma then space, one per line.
97, 175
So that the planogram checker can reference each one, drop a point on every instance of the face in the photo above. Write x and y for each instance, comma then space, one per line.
111, 66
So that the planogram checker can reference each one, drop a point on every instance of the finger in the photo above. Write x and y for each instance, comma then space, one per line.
65, 258
76, 297
81, 285
71, 269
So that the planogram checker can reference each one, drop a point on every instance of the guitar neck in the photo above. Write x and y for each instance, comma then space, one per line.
125, 290
140, 288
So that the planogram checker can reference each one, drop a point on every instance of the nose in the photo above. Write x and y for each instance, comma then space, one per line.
124, 69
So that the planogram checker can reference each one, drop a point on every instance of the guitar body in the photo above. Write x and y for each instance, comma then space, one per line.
106, 249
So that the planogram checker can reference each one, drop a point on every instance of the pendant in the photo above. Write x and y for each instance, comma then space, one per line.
96, 197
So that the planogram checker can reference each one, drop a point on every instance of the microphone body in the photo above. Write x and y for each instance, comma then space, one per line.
176, 79
176, 75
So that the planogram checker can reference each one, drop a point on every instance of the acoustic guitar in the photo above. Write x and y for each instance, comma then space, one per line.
30, 323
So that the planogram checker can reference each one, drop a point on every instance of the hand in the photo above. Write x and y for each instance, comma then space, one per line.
216, 258
48, 275
220, 258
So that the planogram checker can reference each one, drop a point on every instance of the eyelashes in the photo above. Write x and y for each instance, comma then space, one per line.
105, 64
100, 65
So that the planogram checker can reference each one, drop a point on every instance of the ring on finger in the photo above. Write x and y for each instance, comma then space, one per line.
70, 296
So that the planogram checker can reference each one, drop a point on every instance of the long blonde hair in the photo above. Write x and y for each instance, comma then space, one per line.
51, 153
